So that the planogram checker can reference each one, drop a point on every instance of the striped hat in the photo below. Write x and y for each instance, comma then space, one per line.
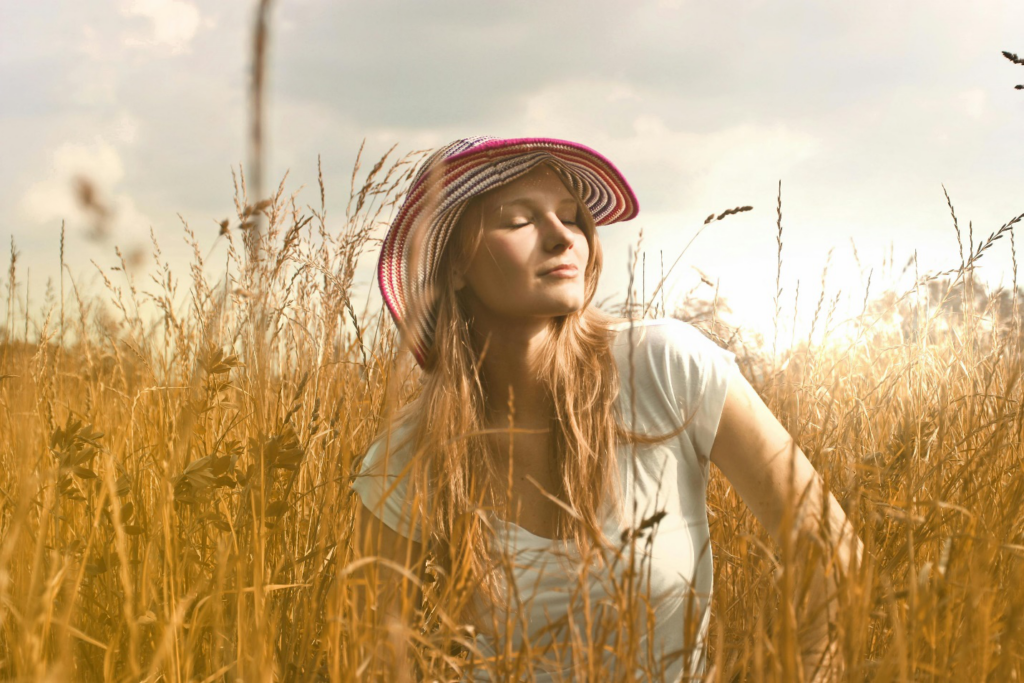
460, 171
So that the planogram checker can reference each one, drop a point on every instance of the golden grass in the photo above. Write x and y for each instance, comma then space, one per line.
174, 500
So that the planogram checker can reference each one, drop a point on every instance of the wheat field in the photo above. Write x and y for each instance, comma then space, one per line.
175, 459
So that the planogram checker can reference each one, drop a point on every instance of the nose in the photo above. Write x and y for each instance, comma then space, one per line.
558, 236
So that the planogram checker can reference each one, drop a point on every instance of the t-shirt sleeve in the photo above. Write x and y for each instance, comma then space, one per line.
699, 372
382, 482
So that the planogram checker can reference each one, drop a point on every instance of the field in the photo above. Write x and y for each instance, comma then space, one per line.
174, 500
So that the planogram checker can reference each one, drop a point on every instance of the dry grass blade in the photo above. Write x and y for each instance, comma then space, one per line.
1012, 57
649, 303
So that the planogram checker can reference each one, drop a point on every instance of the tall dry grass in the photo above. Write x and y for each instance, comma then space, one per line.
174, 489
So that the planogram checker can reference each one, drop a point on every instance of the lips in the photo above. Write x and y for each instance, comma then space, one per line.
564, 269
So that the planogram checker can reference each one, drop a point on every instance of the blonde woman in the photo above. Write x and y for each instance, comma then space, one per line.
555, 463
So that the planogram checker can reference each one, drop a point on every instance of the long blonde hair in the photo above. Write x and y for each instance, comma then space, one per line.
450, 435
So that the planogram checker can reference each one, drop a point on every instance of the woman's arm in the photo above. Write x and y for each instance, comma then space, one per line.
772, 476
388, 577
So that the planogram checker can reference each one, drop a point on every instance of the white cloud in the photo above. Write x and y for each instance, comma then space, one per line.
621, 91
125, 127
174, 23
92, 44
974, 102
53, 199
670, 165
724, 157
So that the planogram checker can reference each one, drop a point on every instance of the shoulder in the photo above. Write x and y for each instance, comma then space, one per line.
673, 355
674, 361
384, 476
676, 339
391, 450
657, 329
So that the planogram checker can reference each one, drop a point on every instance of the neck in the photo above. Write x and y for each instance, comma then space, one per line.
514, 361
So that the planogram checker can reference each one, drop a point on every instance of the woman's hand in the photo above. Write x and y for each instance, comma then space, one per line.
781, 487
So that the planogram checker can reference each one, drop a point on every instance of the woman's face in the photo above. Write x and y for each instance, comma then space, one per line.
532, 254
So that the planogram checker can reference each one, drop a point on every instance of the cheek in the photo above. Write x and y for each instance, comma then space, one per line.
582, 249
506, 254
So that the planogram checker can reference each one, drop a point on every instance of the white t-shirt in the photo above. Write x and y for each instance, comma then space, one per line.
675, 373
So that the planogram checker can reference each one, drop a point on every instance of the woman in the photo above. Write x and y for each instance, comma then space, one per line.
556, 461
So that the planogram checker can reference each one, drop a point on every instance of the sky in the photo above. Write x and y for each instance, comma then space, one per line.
863, 111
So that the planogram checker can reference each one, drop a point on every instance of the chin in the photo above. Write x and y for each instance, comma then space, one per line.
542, 307
566, 308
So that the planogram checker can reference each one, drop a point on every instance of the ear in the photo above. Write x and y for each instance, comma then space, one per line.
458, 280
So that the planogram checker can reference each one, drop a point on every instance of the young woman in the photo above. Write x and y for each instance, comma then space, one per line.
556, 461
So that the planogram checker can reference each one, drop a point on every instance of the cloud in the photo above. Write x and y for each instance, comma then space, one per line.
670, 164
703, 106
125, 127
173, 23
396, 63
54, 198
974, 102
